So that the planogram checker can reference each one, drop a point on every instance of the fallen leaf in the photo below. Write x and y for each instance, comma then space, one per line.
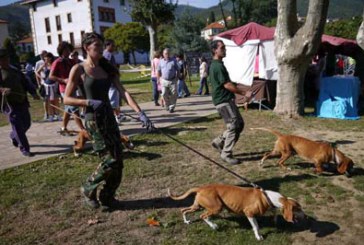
153, 222
93, 221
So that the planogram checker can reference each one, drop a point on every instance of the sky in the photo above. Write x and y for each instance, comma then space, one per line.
195, 3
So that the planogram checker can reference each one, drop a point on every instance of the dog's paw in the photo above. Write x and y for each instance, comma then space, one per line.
187, 222
214, 226
260, 238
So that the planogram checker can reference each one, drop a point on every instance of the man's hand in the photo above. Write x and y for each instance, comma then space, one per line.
94, 103
146, 121
5, 91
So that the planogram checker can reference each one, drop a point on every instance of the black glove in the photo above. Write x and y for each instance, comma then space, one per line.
146, 122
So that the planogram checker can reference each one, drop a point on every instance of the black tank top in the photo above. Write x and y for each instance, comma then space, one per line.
96, 89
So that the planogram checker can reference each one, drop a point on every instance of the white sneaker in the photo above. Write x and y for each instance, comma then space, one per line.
45, 117
117, 120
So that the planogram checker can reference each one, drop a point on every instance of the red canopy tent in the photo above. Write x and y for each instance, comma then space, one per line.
247, 32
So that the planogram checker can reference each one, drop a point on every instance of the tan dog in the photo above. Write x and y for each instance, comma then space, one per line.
313, 151
240, 200
83, 137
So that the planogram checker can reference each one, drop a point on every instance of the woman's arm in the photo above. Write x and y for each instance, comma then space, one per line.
37, 73
126, 96
73, 81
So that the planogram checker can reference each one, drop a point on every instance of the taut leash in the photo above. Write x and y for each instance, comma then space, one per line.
202, 155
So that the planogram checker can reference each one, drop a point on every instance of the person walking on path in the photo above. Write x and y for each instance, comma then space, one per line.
203, 77
40, 81
154, 75
114, 95
50, 88
98, 75
224, 100
13, 93
60, 70
182, 88
167, 75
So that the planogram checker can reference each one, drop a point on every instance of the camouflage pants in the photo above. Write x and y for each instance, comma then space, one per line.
106, 143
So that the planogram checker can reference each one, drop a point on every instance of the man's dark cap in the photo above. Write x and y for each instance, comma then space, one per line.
3, 53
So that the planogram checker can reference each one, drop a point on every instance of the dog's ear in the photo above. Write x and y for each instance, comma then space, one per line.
345, 165
287, 209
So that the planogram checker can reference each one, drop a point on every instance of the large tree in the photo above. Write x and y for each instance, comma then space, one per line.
186, 34
128, 38
152, 13
294, 47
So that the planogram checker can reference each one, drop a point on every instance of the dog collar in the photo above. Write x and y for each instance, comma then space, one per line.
268, 200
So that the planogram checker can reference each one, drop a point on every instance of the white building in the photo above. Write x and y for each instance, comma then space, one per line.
3, 31
211, 30
53, 21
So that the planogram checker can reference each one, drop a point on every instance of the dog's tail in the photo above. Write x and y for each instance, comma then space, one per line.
183, 196
276, 133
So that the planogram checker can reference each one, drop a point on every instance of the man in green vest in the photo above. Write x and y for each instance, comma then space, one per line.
223, 97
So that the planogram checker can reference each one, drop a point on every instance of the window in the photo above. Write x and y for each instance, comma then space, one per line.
122, 2
49, 39
60, 38
106, 1
55, 3
82, 33
47, 25
72, 39
106, 14
69, 17
34, 6
58, 23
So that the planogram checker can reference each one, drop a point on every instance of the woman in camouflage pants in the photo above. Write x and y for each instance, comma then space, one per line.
97, 75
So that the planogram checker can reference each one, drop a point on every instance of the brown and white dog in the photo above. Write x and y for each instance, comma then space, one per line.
240, 200
83, 137
317, 152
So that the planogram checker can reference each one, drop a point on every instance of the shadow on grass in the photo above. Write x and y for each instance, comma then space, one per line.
321, 228
274, 183
146, 155
152, 203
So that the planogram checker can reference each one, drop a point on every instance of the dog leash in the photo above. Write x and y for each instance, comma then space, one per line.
202, 155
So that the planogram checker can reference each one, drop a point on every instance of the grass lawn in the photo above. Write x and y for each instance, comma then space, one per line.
41, 204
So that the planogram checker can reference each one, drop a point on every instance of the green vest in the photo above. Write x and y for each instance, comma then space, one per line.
218, 76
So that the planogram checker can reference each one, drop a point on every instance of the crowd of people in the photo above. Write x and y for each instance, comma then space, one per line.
93, 86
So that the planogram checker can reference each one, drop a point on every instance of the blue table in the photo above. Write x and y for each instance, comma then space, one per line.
338, 97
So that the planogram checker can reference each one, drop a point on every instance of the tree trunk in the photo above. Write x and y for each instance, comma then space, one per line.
294, 48
360, 36
153, 41
133, 54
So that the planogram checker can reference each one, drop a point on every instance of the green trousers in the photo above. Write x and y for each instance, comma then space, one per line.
106, 142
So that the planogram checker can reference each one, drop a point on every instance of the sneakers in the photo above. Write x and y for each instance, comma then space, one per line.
216, 146
112, 203
230, 160
90, 198
45, 118
28, 154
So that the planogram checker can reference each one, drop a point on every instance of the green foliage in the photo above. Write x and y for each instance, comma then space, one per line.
245, 11
164, 35
186, 34
129, 37
347, 28
14, 58
152, 12
212, 17
26, 56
